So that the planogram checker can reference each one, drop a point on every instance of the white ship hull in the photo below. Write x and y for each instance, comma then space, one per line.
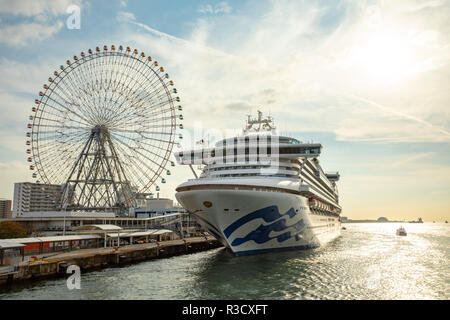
256, 221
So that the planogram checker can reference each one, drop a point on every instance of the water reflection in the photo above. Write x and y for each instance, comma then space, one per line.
368, 261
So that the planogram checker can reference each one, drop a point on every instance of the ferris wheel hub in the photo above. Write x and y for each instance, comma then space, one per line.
100, 129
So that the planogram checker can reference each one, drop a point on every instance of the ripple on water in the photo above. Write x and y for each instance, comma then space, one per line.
367, 262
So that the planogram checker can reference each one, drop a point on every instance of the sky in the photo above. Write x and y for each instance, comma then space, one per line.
367, 79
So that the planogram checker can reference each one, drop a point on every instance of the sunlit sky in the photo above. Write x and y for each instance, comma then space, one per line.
367, 79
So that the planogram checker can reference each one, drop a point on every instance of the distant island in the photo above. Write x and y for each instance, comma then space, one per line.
380, 219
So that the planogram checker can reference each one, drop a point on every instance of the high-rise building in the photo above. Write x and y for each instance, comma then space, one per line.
5, 209
31, 197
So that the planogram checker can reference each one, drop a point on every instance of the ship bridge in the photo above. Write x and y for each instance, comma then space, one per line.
250, 148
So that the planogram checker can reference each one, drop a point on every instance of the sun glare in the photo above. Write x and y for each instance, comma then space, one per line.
387, 53
385, 58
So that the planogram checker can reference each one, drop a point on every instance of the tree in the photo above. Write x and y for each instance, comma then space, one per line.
10, 229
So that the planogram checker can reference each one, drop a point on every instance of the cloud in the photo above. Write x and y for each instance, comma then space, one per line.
221, 7
11, 172
24, 34
21, 77
35, 7
238, 107
326, 77
124, 16
407, 159
36, 20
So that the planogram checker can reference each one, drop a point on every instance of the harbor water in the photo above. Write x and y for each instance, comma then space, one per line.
368, 261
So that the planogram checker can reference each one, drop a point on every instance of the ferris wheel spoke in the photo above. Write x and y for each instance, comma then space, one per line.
133, 94
66, 87
131, 170
141, 137
144, 156
135, 163
148, 120
64, 107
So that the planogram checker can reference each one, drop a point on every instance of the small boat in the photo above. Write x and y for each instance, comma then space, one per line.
401, 231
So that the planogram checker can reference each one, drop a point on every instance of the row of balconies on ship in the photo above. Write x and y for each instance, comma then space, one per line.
263, 171
247, 153
322, 206
254, 168
254, 165
311, 191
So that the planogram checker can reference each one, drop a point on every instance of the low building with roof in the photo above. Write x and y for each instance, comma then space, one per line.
11, 254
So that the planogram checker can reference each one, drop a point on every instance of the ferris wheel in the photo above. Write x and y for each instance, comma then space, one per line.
104, 127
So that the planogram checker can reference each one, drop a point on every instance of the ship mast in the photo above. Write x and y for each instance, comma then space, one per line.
259, 124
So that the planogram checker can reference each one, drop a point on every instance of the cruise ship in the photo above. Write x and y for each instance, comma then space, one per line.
261, 192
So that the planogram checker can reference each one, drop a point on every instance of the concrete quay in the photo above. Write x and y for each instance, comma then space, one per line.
48, 266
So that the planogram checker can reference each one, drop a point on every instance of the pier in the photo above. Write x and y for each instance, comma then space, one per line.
47, 266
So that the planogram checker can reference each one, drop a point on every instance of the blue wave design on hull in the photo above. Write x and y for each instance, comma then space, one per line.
261, 234
268, 214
